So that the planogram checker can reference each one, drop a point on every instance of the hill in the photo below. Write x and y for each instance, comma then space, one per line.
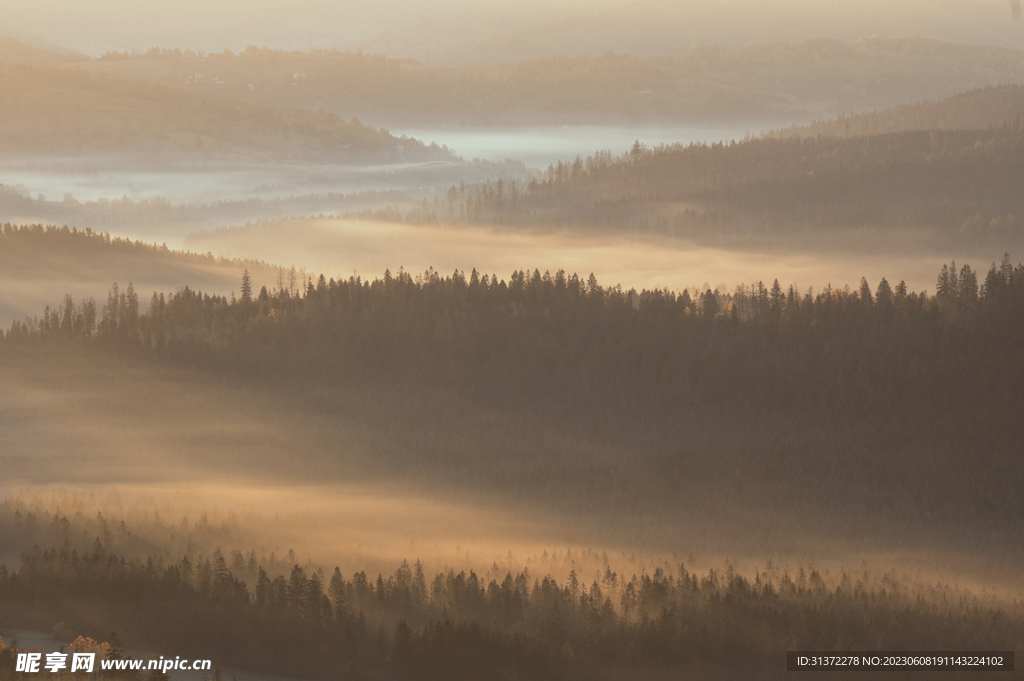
979, 108
939, 185
38, 265
895, 411
13, 50
60, 111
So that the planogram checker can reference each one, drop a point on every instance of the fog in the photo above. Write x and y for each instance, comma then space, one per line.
343, 247
364, 479
540, 146
550, 425
201, 183
196, 182
59, 186
104, 193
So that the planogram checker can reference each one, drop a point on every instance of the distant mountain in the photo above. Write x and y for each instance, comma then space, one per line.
652, 27
760, 84
211, 25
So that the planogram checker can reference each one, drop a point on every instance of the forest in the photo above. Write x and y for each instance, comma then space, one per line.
274, 615
653, 344
856, 395
402, 414
944, 183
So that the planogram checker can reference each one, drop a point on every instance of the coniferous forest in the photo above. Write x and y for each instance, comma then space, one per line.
868, 177
898, 404
412, 624
366, 341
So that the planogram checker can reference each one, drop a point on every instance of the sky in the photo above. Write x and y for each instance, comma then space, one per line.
420, 28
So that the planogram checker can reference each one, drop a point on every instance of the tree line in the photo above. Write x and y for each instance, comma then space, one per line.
540, 334
551, 328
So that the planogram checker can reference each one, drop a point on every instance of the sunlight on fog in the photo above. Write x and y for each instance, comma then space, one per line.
376, 527
339, 248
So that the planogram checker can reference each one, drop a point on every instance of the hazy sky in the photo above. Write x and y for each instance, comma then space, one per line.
430, 27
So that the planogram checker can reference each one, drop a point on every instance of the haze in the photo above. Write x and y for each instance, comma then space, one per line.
484, 339
557, 28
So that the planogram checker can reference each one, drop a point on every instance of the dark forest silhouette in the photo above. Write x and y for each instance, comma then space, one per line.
280, 617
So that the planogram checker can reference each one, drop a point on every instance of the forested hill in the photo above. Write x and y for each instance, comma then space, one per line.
536, 334
879, 403
937, 371
977, 108
39, 264
944, 185
70, 111
877, 407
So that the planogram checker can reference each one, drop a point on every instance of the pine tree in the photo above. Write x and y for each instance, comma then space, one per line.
337, 593
130, 311
967, 291
111, 312
865, 293
246, 287
884, 300
776, 299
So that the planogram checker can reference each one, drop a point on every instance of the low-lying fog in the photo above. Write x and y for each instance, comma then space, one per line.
540, 146
342, 247
375, 529
59, 188
197, 183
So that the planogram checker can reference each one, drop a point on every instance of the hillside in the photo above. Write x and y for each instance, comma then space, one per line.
13, 50
38, 265
980, 108
726, 420
939, 186
59, 111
